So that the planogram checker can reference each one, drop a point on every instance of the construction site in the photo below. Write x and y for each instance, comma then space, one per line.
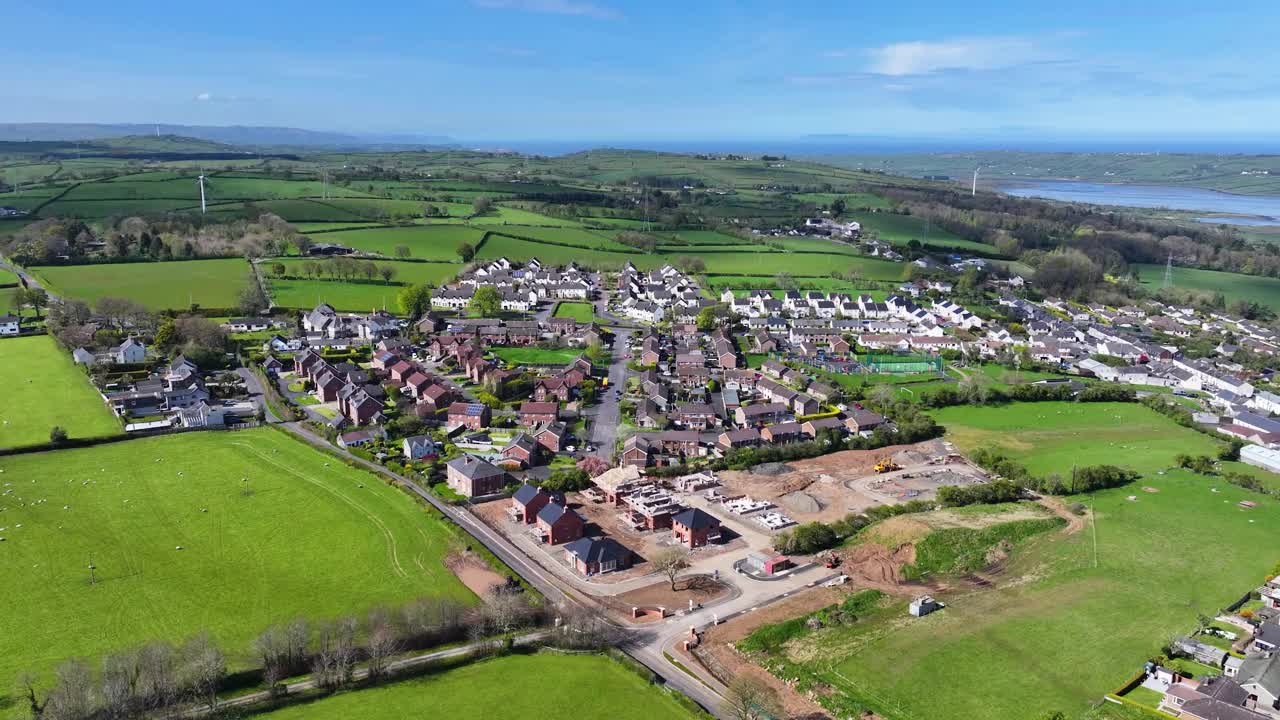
829, 487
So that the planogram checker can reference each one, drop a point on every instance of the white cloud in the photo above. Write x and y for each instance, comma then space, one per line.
973, 53
554, 7
204, 97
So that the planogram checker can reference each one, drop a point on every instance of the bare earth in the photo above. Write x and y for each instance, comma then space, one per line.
474, 572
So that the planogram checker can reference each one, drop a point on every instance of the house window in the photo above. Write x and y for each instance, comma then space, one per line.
607, 566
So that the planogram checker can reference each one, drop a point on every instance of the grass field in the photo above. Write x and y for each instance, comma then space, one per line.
1233, 286
354, 296
580, 311
535, 356
429, 242
901, 229
44, 388
587, 685
157, 285
1074, 615
8, 277
269, 529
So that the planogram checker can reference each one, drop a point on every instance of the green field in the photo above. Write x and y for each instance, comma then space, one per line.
580, 311
430, 242
269, 529
354, 295
8, 277
157, 285
1073, 615
535, 356
44, 388
901, 229
588, 686
1233, 286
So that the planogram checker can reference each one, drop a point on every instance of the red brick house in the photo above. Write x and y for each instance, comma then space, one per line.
552, 436
538, 413
637, 451
435, 397
522, 451
327, 387
559, 524
695, 416
474, 415
362, 408
733, 439
781, 433
417, 383
473, 477
593, 556
528, 501
552, 389
401, 370
694, 528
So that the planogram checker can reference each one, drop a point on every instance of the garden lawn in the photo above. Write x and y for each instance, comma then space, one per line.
270, 529
582, 312
1073, 616
44, 388
1233, 286
587, 686
8, 277
157, 285
535, 356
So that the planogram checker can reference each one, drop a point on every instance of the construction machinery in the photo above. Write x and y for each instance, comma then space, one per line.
886, 465
829, 558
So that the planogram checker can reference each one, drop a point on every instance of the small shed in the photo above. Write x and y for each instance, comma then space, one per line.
923, 605
767, 564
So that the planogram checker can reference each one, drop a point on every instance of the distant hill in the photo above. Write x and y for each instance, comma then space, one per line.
241, 135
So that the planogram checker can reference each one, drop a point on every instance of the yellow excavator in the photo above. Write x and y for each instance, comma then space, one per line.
886, 465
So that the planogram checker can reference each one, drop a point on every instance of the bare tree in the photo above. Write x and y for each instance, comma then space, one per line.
387, 272
750, 698
383, 643
369, 270
585, 627
334, 660
271, 648
73, 697
119, 682
157, 676
670, 562
204, 667
506, 611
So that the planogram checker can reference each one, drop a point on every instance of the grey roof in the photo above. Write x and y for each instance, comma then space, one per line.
1263, 671
553, 511
696, 519
596, 550
525, 493
473, 467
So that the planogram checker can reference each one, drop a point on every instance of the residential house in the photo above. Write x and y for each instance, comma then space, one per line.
420, 447
473, 415
694, 528
472, 477
538, 413
558, 524
522, 451
528, 500
595, 556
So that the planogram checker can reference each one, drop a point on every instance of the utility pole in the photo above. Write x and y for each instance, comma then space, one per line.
93, 578
1168, 272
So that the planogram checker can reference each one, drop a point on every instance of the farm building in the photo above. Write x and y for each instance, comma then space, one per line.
1262, 457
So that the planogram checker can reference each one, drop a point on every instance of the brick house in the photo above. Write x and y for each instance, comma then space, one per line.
528, 501
538, 413
552, 390
552, 436
733, 439
473, 415
522, 451
781, 433
694, 528
594, 556
472, 477
695, 416
559, 524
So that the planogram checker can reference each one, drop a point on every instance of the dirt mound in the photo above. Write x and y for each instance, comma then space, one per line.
801, 502
770, 469
1148, 488
877, 566
474, 572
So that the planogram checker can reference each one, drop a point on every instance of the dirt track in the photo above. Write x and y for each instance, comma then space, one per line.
1055, 505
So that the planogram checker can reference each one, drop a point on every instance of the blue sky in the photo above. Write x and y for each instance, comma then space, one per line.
607, 69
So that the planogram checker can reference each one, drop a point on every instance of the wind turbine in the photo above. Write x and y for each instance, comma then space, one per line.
977, 170
202, 206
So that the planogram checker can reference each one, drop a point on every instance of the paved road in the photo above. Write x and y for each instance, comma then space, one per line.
648, 643
607, 416
256, 392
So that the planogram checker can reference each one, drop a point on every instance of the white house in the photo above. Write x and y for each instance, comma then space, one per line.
10, 324
419, 447
129, 352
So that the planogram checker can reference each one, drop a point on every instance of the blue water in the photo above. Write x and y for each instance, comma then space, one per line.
1260, 209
